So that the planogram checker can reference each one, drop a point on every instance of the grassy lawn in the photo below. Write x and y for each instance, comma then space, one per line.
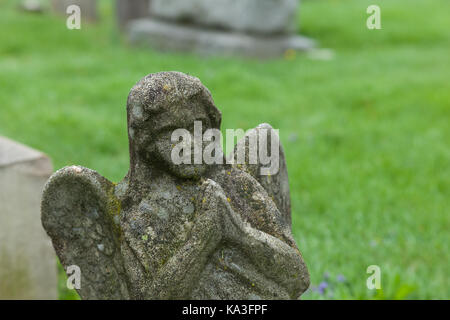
366, 134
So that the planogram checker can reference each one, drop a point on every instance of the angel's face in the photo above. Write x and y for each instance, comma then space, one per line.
160, 145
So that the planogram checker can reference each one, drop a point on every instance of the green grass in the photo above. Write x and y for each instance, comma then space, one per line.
366, 134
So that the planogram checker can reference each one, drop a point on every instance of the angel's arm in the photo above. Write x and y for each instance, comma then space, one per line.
178, 276
273, 257
217, 222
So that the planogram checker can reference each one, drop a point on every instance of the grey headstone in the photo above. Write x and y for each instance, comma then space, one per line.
88, 8
167, 231
164, 35
34, 6
252, 28
27, 260
127, 10
252, 16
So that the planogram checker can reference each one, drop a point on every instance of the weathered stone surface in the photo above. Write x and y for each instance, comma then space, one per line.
27, 260
164, 35
277, 186
254, 16
127, 10
171, 231
88, 8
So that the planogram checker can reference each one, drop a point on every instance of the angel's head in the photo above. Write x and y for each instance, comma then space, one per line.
159, 104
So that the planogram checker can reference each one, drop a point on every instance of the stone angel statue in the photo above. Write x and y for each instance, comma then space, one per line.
168, 231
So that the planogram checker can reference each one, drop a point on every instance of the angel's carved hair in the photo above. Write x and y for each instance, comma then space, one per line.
158, 91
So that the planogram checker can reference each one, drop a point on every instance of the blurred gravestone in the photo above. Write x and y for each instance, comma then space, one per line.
27, 260
88, 8
256, 28
34, 6
127, 10
254, 16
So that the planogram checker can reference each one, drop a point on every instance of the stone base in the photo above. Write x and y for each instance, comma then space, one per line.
164, 35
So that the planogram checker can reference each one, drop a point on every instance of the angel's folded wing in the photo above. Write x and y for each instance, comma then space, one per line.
276, 185
81, 215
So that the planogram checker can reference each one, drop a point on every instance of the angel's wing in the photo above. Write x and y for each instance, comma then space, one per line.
81, 215
276, 185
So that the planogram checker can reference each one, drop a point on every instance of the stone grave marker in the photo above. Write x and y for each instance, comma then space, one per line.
127, 10
27, 260
254, 28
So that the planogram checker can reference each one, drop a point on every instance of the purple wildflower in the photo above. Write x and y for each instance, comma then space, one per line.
322, 286
341, 278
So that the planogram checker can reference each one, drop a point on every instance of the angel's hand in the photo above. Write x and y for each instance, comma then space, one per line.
226, 223
208, 208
